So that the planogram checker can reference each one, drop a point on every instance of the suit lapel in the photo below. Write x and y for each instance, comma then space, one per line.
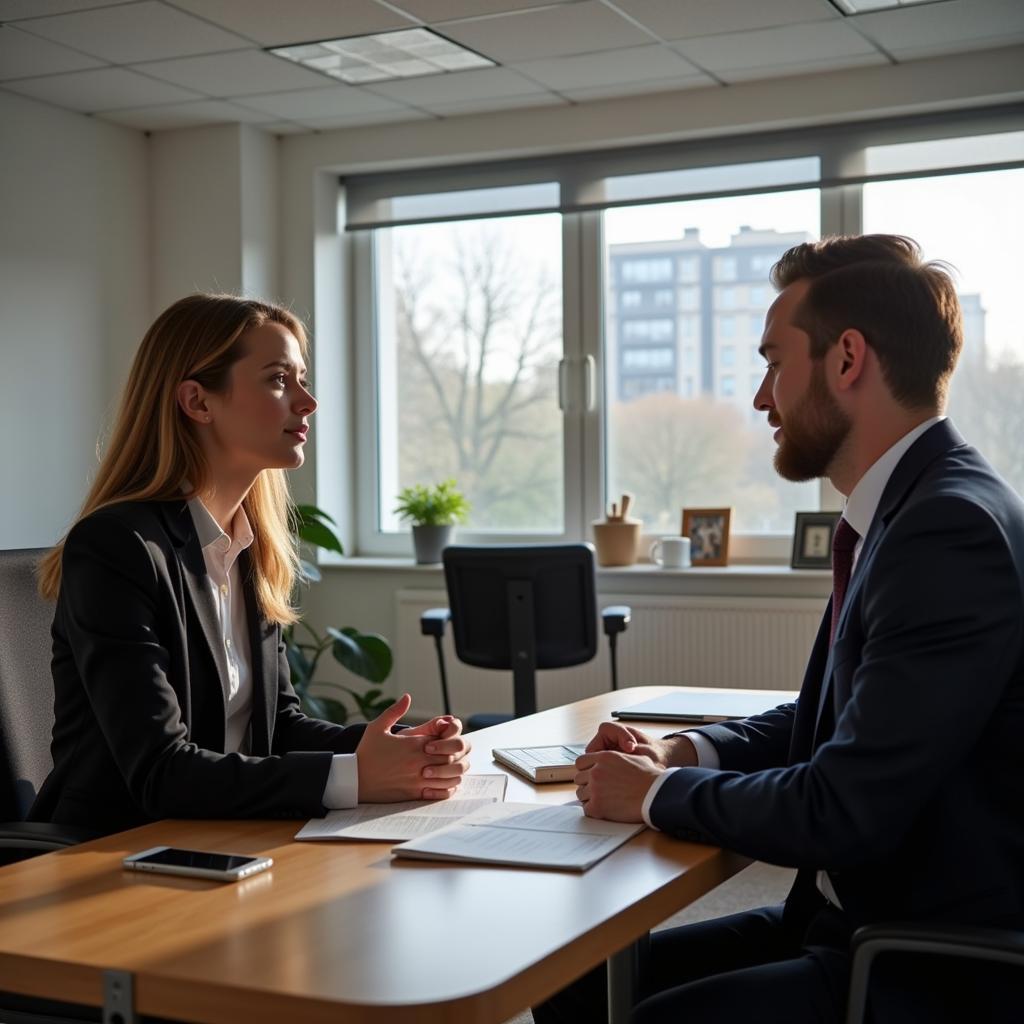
182, 530
263, 652
933, 443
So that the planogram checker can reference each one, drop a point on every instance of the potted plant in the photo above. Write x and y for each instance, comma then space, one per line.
433, 512
366, 655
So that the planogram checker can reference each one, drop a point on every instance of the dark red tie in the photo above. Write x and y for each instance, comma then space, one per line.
844, 540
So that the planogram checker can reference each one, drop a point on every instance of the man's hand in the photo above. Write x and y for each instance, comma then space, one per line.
673, 752
613, 785
424, 763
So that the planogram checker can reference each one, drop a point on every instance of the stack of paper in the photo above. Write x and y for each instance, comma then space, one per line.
395, 822
527, 835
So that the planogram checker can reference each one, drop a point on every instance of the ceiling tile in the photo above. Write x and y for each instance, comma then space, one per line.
458, 87
908, 53
334, 101
235, 74
550, 32
284, 128
135, 32
275, 24
435, 11
610, 67
682, 19
183, 115
804, 67
365, 120
482, 106
774, 47
103, 89
12, 10
612, 92
910, 29
25, 56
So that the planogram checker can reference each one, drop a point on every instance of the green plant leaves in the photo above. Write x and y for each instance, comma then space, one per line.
313, 526
440, 505
367, 655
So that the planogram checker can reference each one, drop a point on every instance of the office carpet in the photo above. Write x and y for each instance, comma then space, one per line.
757, 886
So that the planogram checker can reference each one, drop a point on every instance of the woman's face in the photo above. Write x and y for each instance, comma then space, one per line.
261, 420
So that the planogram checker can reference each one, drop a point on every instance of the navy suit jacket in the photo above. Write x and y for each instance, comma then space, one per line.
139, 704
900, 768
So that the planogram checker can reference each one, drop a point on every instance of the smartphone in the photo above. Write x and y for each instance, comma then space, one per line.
223, 867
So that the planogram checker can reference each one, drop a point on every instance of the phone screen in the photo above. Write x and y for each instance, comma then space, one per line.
196, 859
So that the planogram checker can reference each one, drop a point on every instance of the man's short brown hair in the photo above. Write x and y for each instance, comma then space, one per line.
907, 309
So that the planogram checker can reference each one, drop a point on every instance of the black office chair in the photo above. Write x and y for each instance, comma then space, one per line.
523, 607
26, 711
992, 945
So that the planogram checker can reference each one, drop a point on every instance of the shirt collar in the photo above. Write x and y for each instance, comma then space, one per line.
863, 501
211, 536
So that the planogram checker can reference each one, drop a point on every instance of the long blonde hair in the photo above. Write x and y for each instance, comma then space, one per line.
152, 449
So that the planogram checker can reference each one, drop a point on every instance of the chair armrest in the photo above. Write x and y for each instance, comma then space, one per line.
434, 620
616, 618
20, 840
996, 944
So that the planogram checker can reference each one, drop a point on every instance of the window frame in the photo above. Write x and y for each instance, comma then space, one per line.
841, 152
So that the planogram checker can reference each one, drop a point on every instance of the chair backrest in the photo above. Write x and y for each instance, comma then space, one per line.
26, 686
523, 605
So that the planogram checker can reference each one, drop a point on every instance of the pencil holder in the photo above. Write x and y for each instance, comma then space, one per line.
616, 542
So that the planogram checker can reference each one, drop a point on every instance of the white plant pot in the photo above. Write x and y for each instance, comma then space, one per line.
429, 541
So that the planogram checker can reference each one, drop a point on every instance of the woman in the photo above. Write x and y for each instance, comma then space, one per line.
171, 687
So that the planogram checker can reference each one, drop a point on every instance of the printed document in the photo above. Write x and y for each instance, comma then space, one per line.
409, 819
527, 835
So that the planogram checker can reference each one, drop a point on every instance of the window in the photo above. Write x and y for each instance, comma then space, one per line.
646, 271
647, 358
982, 219
699, 447
646, 330
473, 360
469, 337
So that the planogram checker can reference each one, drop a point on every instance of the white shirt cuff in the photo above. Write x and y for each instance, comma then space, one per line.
342, 789
707, 757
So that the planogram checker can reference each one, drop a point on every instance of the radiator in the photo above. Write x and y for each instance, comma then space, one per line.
761, 643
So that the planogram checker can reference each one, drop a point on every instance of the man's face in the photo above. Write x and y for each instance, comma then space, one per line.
811, 427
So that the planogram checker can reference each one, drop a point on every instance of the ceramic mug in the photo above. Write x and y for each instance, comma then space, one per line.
671, 552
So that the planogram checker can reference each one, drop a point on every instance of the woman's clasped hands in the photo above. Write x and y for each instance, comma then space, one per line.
426, 762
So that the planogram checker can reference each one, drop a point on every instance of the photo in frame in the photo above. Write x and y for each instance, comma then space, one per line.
812, 540
708, 530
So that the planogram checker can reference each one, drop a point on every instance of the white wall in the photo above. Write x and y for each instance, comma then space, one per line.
75, 296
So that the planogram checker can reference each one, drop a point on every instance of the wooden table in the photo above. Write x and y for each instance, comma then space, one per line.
337, 931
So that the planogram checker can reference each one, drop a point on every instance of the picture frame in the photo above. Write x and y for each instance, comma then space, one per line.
708, 530
812, 540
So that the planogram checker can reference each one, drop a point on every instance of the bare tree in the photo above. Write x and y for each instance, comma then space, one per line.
478, 341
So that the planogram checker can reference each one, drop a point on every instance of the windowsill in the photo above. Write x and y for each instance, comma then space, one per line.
771, 580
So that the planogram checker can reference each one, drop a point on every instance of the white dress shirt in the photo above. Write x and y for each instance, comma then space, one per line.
220, 553
861, 506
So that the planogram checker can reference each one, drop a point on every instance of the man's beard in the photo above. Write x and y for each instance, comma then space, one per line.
812, 433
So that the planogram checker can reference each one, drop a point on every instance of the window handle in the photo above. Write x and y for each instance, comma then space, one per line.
563, 370
589, 383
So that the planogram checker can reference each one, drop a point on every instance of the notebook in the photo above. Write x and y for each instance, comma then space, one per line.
692, 705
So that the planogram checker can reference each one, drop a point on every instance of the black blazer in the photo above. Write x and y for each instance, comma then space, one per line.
139, 706
900, 769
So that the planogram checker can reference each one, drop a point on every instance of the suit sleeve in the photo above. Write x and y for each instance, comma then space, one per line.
116, 611
750, 744
294, 730
941, 618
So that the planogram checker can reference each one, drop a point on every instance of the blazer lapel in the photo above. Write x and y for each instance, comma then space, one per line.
933, 443
263, 654
197, 587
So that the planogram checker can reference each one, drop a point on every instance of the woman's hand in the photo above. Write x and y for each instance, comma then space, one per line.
423, 763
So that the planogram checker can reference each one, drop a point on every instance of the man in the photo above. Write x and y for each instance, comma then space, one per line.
895, 784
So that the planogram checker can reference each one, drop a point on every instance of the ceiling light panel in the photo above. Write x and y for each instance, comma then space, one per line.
864, 6
409, 53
